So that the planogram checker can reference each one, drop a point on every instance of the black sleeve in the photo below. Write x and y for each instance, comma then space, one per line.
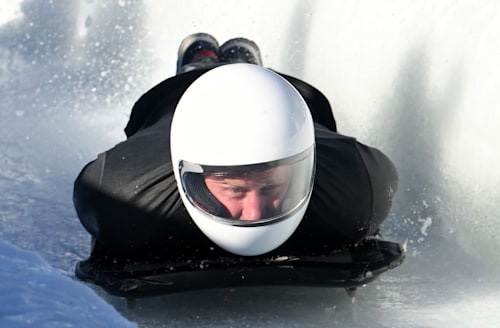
353, 187
128, 199
85, 189
383, 183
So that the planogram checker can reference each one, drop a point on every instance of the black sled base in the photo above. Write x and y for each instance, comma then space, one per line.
347, 268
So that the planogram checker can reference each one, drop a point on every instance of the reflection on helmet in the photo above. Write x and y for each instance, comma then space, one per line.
242, 146
270, 191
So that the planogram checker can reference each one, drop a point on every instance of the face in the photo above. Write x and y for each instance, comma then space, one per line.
253, 196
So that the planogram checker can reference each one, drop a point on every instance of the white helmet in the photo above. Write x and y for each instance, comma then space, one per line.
243, 153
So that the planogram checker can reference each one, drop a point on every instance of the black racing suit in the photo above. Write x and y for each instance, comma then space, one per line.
128, 200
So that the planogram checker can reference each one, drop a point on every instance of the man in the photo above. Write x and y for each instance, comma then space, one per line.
228, 156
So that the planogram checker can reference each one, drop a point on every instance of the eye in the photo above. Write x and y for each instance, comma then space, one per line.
236, 190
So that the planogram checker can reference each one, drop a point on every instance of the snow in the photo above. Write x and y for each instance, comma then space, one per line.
419, 80
33, 293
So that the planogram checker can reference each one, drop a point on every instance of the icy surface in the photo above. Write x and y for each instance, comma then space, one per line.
418, 79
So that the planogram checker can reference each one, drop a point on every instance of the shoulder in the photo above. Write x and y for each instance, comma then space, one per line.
166, 92
318, 103
171, 90
332, 148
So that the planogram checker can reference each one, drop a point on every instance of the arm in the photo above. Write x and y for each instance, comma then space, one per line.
353, 188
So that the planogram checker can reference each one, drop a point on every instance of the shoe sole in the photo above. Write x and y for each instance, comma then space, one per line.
189, 40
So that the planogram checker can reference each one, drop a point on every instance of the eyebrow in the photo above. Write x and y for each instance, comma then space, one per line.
261, 185
230, 183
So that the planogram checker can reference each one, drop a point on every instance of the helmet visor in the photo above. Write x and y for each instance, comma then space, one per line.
250, 195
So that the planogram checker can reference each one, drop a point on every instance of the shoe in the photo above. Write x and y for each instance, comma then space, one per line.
240, 50
198, 49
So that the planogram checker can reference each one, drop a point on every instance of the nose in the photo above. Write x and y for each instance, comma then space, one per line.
252, 206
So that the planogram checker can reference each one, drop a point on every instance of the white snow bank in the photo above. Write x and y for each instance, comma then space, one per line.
34, 294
